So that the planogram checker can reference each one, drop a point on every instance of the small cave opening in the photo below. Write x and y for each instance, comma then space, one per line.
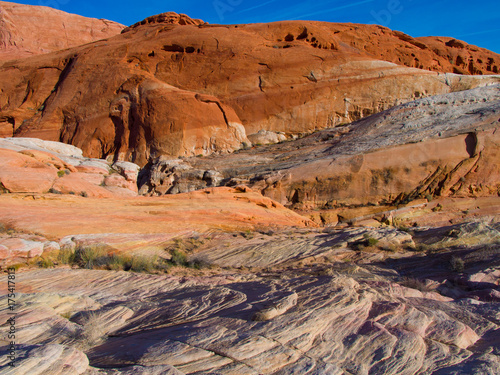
173, 48
471, 144
303, 34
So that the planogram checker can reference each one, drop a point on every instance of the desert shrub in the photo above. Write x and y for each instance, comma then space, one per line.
198, 264
403, 228
422, 248
185, 245
247, 234
54, 191
438, 208
66, 256
178, 258
411, 282
17, 266
118, 262
92, 333
390, 248
66, 315
371, 241
84, 194
143, 264
45, 263
91, 256
61, 173
457, 264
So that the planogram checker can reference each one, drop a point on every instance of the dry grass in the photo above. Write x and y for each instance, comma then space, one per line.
413, 283
93, 331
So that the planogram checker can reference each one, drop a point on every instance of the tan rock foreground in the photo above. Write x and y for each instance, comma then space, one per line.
230, 208
335, 319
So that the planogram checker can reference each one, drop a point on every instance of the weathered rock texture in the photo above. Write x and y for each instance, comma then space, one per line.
402, 314
175, 86
130, 224
27, 30
444, 146
30, 165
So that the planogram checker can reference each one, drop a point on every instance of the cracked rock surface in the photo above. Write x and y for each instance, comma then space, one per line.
404, 313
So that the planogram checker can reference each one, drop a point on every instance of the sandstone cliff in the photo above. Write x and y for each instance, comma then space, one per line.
27, 30
174, 86
446, 145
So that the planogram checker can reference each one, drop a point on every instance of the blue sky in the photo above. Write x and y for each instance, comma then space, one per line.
475, 23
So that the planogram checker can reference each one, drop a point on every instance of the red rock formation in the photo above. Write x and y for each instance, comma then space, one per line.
168, 17
172, 85
27, 30
445, 146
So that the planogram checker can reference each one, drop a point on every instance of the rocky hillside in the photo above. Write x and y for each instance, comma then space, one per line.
27, 30
291, 77
441, 146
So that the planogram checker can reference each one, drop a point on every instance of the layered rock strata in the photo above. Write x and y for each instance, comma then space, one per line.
178, 87
445, 145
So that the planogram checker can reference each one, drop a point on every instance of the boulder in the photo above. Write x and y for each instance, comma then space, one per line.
20, 248
265, 137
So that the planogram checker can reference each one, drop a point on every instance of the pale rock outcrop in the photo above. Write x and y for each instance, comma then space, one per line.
322, 323
47, 359
33, 165
265, 137
20, 248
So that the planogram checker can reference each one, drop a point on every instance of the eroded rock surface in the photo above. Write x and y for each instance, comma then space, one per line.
405, 313
441, 146
178, 87
33, 165
27, 30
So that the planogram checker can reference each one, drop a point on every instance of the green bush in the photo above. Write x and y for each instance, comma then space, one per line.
143, 264
45, 263
178, 258
61, 173
66, 256
117, 262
